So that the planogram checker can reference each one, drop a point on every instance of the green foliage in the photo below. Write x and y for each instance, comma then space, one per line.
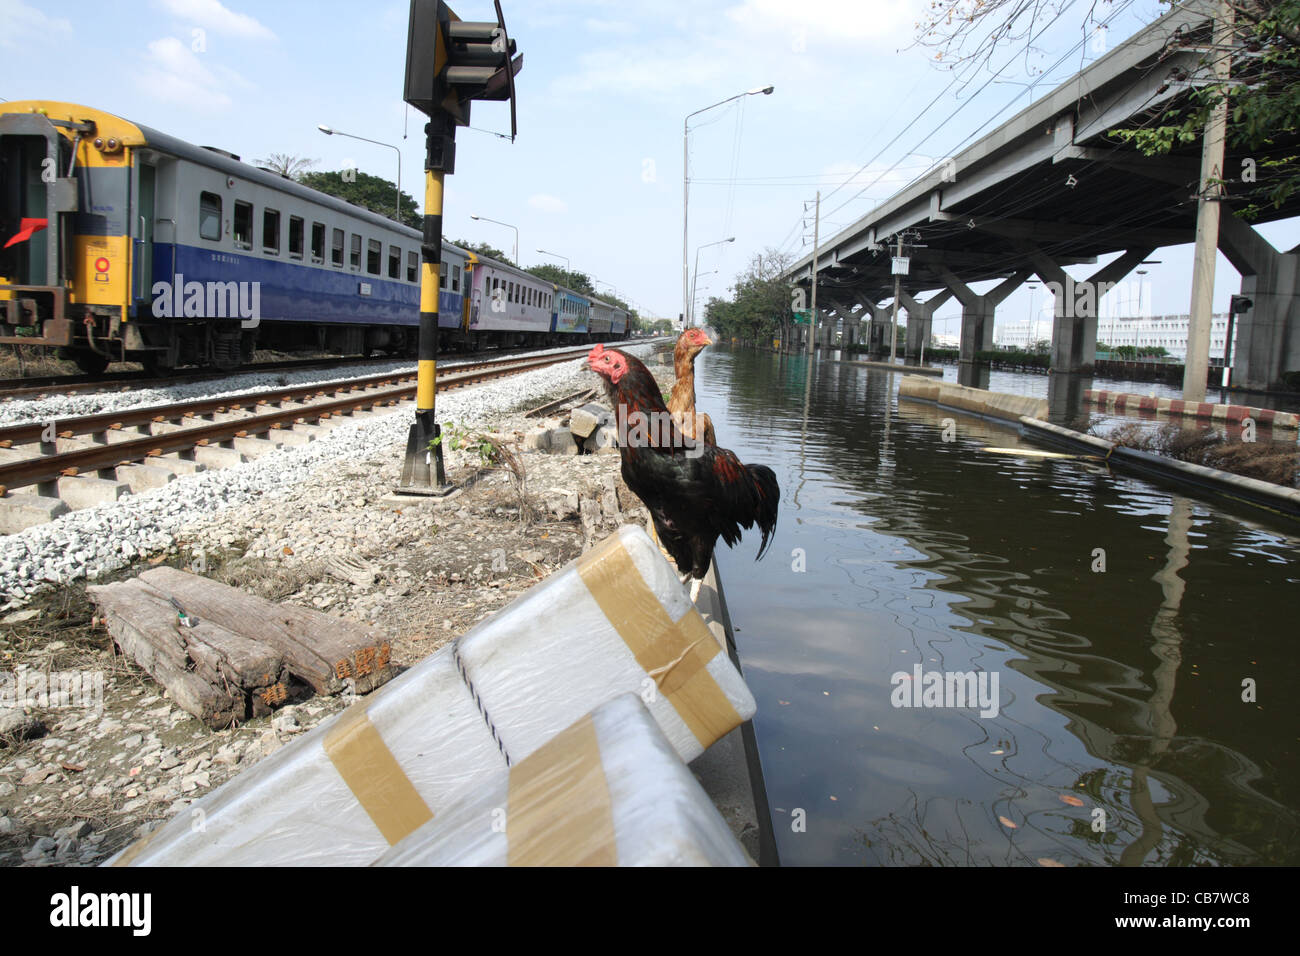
457, 437
1134, 352
370, 192
1263, 98
577, 281
761, 308
1014, 358
482, 249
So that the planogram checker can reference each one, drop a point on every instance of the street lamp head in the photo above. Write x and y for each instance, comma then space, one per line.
765, 90
732, 239
326, 130
473, 216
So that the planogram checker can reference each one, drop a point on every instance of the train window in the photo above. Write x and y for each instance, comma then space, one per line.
412, 266
318, 242
295, 237
271, 232
442, 278
374, 249
394, 262
356, 252
455, 278
210, 216
243, 225
336, 248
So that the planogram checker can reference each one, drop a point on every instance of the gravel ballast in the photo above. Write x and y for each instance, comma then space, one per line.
94, 541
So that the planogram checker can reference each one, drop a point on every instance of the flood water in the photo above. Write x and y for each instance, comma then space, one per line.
1119, 734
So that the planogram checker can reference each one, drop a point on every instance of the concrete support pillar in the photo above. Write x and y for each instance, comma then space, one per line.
920, 316
878, 319
977, 311
1074, 326
1268, 333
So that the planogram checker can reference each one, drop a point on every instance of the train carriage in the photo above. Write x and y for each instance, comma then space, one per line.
509, 306
122, 243
572, 312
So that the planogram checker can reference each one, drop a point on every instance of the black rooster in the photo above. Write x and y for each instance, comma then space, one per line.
695, 492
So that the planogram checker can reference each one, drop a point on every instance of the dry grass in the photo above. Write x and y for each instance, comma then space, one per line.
1267, 461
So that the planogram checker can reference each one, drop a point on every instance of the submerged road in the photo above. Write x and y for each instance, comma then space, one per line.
1107, 628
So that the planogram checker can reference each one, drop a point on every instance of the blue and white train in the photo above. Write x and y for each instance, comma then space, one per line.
121, 243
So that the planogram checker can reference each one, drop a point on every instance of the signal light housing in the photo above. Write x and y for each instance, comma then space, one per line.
452, 62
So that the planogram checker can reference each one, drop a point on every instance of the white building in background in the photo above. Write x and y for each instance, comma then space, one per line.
1142, 332
1161, 331
1020, 335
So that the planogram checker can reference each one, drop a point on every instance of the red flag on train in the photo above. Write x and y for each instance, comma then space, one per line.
27, 229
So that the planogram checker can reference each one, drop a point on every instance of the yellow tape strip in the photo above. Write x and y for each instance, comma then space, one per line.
675, 654
374, 776
558, 811
136, 848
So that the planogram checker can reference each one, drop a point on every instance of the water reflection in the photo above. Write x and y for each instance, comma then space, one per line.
925, 552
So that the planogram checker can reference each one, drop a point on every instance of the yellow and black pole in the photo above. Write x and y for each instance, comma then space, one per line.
449, 63
422, 471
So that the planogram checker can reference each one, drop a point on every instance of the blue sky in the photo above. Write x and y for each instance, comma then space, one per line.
596, 173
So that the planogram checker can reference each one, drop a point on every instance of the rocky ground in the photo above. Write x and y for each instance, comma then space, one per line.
77, 785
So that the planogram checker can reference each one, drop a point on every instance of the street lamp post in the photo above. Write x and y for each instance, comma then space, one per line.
556, 255
508, 226
335, 132
689, 318
686, 165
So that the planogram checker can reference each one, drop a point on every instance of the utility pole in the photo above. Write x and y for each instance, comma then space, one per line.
898, 290
1196, 365
812, 317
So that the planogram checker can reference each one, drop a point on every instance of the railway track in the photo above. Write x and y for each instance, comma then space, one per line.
49, 468
45, 386
38, 387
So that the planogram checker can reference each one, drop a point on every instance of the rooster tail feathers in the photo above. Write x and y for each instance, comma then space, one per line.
767, 495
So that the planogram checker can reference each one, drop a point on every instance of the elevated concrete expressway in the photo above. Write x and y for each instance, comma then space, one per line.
1050, 189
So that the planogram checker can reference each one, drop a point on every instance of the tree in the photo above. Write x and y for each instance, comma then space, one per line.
577, 281
286, 165
761, 306
369, 192
482, 249
1263, 101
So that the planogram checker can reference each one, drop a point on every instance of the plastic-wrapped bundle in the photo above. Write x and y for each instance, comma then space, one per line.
617, 620
347, 790
608, 791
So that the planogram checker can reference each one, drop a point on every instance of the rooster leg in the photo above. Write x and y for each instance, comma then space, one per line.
695, 589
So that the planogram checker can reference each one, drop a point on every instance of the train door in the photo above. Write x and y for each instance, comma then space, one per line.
142, 233
25, 162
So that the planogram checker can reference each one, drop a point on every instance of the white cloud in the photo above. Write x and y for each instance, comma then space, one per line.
545, 203
19, 21
173, 73
215, 16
